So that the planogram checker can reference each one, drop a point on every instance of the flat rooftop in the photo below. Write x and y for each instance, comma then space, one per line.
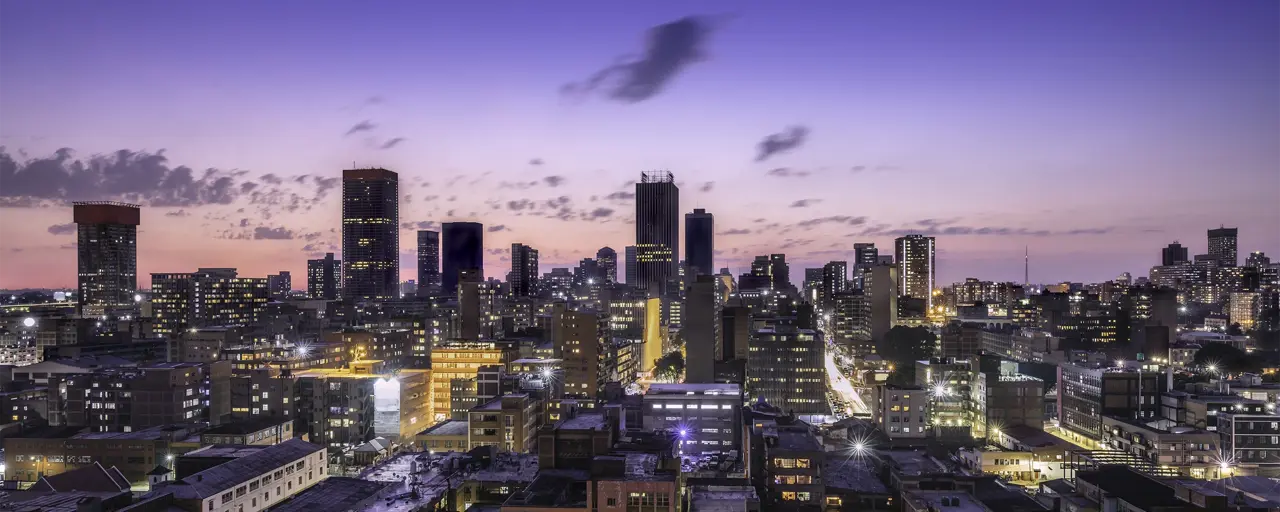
855, 474
248, 426
222, 477
584, 422
951, 501
722, 498
446, 428
912, 462
694, 389
162, 432
334, 493
798, 441
225, 451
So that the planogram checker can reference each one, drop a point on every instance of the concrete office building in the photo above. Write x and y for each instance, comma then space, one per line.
428, 261
524, 271
106, 255
786, 368
510, 422
578, 337
704, 417
1222, 246
132, 399
207, 297
901, 412
702, 331
880, 291
370, 234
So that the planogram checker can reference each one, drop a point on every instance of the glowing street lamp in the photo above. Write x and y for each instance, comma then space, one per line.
28, 322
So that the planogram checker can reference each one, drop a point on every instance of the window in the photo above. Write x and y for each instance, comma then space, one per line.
802, 496
789, 496
802, 463
611, 502
226, 498
784, 463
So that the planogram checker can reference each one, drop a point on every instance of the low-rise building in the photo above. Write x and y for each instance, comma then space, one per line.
509, 422
251, 483
902, 413
264, 430
1252, 442
706, 417
446, 436
54, 450
793, 462
1191, 451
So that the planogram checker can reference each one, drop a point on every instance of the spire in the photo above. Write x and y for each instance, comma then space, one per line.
1026, 267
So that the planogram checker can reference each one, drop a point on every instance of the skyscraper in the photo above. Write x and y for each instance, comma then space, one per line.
914, 256
701, 331
524, 270
657, 230
323, 277
1222, 246
370, 234
1174, 254
865, 256
881, 296
428, 261
279, 285
632, 271
106, 254
699, 241
835, 280
463, 250
608, 260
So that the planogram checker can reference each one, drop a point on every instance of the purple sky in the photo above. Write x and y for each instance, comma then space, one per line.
1092, 132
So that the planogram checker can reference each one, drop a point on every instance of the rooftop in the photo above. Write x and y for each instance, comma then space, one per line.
508, 467
694, 389
912, 462
1131, 486
248, 426
494, 404
722, 498
798, 441
160, 433
855, 474
219, 478
334, 493
232, 451
951, 501
553, 489
446, 428
584, 422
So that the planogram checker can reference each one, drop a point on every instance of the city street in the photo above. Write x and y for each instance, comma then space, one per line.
844, 389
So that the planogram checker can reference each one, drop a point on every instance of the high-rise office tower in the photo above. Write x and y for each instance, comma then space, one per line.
463, 250
428, 261
865, 256
779, 271
701, 331
632, 270
1222, 246
699, 241
608, 260
657, 231
914, 254
1174, 254
579, 343
881, 296
106, 254
205, 298
835, 280
279, 285
323, 277
370, 234
524, 270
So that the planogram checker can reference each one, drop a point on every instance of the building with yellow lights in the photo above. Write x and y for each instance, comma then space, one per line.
336, 406
460, 360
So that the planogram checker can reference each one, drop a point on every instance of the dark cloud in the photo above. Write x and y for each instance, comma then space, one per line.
425, 225
600, 213
362, 126
554, 181
732, 232
836, 219
805, 203
707, 186
497, 228
266, 233
63, 229
376, 99
244, 223
179, 213
620, 196
787, 172
671, 48
271, 179
535, 161
247, 187
788, 140
522, 204
391, 143
123, 175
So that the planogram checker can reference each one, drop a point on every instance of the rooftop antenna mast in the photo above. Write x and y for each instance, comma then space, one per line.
1026, 267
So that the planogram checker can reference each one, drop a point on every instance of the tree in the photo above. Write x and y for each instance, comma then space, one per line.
669, 367
1225, 358
1235, 330
904, 346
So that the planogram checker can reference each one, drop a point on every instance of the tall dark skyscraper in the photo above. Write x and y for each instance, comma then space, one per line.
1222, 246
463, 250
106, 254
914, 256
1174, 254
630, 255
370, 234
324, 277
524, 270
657, 230
835, 280
608, 260
865, 256
701, 331
428, 261
699, 241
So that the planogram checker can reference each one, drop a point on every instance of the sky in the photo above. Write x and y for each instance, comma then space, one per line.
1088, 133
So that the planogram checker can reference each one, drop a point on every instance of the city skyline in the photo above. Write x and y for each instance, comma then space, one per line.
1072, 152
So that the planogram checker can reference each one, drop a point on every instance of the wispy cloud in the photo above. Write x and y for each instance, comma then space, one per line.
792, 138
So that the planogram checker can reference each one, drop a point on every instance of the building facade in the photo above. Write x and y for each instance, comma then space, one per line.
370, 234
657, 231
699, 241
463, 249
106, 255
428, 261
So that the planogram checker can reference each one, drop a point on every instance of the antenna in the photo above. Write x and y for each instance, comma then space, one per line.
1026, 267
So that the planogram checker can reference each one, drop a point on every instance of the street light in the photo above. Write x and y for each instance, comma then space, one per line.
28, 322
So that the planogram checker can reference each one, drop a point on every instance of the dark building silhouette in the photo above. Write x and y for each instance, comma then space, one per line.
106, 254
699, 241
835, 280
608, 260
1174, 254
463, 244
865, 256
657, 230
428, 261
701, 331
1222, 246
524, 270
323, 277
631, 270
370, 234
